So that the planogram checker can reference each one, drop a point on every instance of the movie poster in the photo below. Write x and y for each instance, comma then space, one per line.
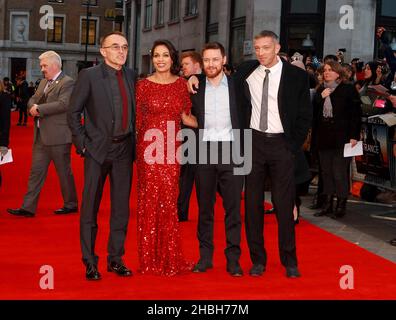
374, 160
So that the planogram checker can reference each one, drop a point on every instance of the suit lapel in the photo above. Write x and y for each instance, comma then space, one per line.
106, 88
233, 111
281, 91
54, 83
245, 83
201, 101
130, 88
40, 95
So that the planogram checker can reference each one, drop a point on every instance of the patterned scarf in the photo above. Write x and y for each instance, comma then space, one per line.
328, 107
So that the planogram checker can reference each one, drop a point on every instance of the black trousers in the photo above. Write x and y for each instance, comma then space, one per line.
22, 113
271, 156
118, 166
208, 178
186, 183
335, 172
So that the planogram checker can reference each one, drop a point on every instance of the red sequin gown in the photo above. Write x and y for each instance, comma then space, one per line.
159, 106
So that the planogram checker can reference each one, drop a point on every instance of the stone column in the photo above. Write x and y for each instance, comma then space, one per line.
359, 42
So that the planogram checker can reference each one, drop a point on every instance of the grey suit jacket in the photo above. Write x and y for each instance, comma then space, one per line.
53, 106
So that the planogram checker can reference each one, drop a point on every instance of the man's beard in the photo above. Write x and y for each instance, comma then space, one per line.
218, 71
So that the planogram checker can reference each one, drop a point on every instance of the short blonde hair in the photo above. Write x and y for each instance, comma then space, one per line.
52, 55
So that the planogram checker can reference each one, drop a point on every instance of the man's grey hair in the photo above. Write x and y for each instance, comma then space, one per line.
53, 56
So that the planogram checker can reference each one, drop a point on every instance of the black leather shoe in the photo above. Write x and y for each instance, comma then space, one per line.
270, 211
234, 269
92, 272
257, 270
21, 212
340, 210
393, 242
119, 268
65, 210
202, 266
292, 272
327, 208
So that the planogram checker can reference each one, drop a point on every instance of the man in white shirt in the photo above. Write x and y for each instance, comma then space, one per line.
276, 100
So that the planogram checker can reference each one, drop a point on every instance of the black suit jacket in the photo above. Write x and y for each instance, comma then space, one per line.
295, 108
5, 118
92, 95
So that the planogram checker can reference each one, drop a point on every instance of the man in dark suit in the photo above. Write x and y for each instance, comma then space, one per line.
191, 62
52, 137
276, 100
215, 108
105, 93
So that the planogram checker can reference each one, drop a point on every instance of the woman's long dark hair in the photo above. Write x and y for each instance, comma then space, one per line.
175, 68
373, 65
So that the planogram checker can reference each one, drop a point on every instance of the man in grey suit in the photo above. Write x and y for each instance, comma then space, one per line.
105, 94
52, 136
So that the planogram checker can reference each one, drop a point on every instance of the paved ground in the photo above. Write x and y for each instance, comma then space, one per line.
359, 226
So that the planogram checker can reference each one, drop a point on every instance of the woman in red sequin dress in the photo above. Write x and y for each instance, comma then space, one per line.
162, 102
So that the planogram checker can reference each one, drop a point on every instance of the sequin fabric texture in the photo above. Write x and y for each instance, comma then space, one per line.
159, 106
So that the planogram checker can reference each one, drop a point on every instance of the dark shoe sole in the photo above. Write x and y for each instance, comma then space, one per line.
93, 279
198, 270
119, 274
256, 273
236, 274
26, 215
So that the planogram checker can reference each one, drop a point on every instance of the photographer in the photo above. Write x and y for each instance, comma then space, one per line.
340, 55
357, 67
385, 38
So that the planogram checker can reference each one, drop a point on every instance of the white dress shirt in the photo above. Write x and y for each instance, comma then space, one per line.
218, 126
255, 82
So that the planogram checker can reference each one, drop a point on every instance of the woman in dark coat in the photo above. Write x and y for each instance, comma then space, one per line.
5, 118
337, 122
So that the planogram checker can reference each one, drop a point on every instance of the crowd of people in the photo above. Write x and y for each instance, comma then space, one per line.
108, 115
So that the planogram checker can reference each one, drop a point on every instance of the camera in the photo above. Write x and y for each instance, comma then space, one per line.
384, 68
342, 50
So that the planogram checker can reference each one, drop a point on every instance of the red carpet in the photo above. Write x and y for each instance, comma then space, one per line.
27, 244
